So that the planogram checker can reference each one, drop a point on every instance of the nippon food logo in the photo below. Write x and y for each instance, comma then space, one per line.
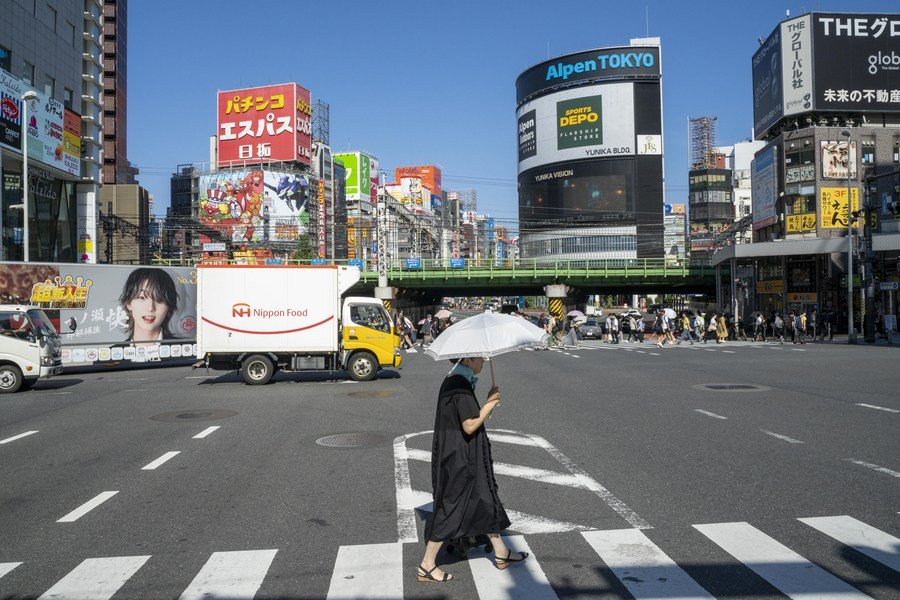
244, 310
10, 109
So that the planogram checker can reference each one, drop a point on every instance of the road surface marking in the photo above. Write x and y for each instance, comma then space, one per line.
206, 432
7, 567
574, 356
728, 351
16, 437
875, 467
525, 580
511, 439
230, 575
60, 393
87, 507
201, 376
96, 578
890, 410
792, 574
781, 437
709, 414
863, 538
644, 569
521, 472
129, 379
640, 352
368, 571
798, 349
165, 457
653, 353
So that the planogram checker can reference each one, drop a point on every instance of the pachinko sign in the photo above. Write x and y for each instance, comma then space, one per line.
262, 124
252, 205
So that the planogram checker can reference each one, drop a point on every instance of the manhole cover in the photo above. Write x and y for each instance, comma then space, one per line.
373, 394
193, 415
731, 387
351, 440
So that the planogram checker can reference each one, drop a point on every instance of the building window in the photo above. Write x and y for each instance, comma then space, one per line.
49, 86
896, 152
28, 72
68, 97
5, 59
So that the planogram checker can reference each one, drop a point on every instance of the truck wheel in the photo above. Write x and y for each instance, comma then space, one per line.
257, 370
10, 379
363, 367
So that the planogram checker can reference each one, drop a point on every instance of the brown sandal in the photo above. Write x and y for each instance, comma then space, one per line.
429, 577
502, 563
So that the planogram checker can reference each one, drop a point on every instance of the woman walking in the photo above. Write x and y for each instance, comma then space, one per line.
721, 330
462, 473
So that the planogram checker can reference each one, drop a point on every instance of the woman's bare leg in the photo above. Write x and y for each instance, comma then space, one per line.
431, 552
500, 548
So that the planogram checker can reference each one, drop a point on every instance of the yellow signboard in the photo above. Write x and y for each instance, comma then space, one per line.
801, 222
833, 203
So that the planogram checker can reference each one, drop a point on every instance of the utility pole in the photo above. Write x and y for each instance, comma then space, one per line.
382, 292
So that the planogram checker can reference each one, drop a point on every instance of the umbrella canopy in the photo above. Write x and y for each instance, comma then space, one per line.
422, 321
669, 313
485, 334
443, 314
575, 313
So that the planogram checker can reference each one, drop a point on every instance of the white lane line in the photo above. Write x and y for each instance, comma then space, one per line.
798, 350
525, 580
130, 379
792, 574
645, 570
728, 351
201, 377
96, 578
890, 410
863, 463
519, 471
236, 575
574, 356
7, 567
17, 437
406, 503
653, 353
510, 439
206, 432
161, 460
87, 507
709, 414
863, 538
781, 437
60, 393
367, 571
640, 352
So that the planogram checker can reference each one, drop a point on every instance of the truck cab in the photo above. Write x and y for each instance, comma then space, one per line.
30, 348
368, 332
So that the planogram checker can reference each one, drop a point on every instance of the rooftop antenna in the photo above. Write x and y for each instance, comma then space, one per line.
787, 13
548, 49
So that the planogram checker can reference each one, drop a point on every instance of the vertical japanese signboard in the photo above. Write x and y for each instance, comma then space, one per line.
320, 214
796, 64
262, 124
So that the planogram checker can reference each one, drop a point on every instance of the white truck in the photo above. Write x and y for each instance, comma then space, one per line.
262, 319
29, 347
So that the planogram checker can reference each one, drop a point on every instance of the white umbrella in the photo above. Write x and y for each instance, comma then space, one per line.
669, 313
443, 314
575, 313
485, 334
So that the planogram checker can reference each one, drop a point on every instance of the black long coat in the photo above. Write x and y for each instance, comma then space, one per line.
462, 470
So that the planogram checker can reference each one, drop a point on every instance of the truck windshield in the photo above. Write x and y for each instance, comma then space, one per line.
369, 315
41, 322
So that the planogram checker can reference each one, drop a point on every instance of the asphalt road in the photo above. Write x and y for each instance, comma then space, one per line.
625, 477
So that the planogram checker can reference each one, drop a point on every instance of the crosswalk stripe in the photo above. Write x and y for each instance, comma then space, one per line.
7, 567
524, 580
863, 538
96, 578
645, 570
367, 571
232, 575
792, 574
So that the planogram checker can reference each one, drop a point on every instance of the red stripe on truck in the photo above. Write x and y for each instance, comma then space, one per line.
220, 326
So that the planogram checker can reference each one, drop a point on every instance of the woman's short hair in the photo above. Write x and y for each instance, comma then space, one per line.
159, 285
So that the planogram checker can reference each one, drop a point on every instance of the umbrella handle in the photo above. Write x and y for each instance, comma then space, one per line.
491, 361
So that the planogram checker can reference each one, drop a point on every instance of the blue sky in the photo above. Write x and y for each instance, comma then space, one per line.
429, 82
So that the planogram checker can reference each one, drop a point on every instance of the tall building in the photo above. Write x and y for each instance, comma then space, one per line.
51, 49
711, 209
116, 167
125, 232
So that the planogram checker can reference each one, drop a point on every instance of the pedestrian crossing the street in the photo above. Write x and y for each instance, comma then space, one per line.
642, 568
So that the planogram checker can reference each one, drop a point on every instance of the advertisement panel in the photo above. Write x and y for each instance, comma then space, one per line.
797, 65
267, 123
350, 161
412, 193
252, 205
768, 107
836, 160
72, 142
857, 58
833, 207
124, 314
320, 218
800, 222
373, 180
588, 122
764, 186
429, 174
11, 90
591, 65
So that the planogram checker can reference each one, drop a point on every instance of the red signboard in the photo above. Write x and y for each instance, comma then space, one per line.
262, 124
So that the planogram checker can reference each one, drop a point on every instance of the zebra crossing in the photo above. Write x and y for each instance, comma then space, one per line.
642, 568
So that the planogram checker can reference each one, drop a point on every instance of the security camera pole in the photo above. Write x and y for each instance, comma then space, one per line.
26, 98
850, 337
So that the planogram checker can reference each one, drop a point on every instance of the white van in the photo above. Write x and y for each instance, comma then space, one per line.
30, 348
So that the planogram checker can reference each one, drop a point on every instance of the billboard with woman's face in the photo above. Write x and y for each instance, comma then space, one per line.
123, 313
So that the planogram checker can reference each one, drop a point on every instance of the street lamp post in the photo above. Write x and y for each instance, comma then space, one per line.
846, 134
26, 98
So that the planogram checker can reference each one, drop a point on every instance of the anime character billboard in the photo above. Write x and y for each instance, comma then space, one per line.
253, 205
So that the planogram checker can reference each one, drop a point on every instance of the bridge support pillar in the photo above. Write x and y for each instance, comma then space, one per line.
386, 295
556, 295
